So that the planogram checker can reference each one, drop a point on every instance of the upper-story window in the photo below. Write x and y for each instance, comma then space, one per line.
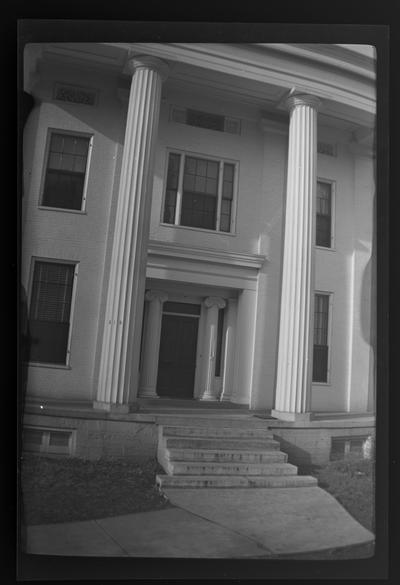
200, 192
324, 231
66, 169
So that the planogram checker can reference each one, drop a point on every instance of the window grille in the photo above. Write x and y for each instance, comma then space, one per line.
323, 230
50, 309
65, 171
321, 323
206, 120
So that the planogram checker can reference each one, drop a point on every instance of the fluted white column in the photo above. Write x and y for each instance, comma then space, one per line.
229, 349
151, 343
293, 385
213, 304
118, 376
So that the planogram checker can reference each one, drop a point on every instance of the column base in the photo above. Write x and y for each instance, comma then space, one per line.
148, 393
112, 407
291, 416
209, 398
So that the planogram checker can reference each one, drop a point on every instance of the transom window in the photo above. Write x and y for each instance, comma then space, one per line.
323, 232
321, 331
64, 182
50, 311
199, 192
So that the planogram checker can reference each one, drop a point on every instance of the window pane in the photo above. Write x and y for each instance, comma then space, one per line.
59, 438
228, 172
212, 169
198, 210
200, 185
201, 168
56, 143
55, 160
67, 162
227, 190
190, 165
211, 186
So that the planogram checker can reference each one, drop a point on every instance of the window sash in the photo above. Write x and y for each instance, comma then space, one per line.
66, 169
199, 192
50, 311
321, 338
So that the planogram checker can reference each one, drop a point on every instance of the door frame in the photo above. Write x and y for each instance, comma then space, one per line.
200, 333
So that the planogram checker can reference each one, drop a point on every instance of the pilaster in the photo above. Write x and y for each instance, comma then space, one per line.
213, 304
151, 343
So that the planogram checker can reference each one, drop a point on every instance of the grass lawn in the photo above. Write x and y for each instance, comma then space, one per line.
351, 482
66, 490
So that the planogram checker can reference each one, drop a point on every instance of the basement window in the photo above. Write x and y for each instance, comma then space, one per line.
345, 447
49, 441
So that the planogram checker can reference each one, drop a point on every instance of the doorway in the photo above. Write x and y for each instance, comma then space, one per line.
178, 346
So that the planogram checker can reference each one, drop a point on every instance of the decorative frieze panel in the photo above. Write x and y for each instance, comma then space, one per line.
75, 95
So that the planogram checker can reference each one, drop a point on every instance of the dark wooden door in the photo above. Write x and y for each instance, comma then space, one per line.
177, 359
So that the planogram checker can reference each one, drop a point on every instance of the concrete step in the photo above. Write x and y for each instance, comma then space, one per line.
220, 431
241, 421
220, 443
257, 469
233, 481
272, 456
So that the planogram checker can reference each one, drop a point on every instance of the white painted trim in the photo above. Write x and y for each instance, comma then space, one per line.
174, 250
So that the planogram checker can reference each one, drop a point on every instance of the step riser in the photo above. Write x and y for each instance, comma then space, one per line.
238, 444
222, 432
227, 456
231, 469
170, 481
239, 422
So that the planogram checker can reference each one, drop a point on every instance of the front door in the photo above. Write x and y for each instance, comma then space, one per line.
177, 359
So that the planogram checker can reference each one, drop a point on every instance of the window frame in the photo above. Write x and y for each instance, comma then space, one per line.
77, 134
332, 183
75, 263
328, 382
45, 448
179, 194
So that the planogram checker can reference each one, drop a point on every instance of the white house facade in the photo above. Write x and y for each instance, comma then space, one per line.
198, 227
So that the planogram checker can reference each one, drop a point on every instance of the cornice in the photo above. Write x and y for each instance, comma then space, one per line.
182, 252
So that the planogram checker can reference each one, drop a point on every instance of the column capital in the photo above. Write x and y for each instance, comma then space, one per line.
153, 295
303, 99
214, 301
135, 62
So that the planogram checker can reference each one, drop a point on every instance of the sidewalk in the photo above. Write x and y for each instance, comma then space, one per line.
212, 523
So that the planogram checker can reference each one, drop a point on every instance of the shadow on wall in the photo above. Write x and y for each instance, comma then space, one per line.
296, 455
368, 313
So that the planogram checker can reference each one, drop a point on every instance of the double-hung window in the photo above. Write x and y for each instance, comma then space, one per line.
323, 232
321, 337
66, 169
50, 311
200, 192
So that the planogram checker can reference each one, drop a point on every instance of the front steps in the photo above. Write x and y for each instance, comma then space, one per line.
222, 452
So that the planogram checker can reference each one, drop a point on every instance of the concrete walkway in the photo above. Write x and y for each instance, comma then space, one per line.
211, 523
